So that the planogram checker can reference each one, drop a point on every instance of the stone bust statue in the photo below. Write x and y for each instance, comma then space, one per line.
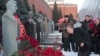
11, 9
10, 28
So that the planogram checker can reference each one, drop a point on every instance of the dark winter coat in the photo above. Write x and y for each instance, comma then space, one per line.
63, 29
81, 36
88, 26
97, 34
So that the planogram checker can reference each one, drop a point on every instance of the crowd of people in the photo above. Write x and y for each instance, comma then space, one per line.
84, 36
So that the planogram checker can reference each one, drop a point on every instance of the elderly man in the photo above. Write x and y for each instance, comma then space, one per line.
81, 37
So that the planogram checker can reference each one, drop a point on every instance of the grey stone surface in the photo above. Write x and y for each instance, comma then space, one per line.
10, 29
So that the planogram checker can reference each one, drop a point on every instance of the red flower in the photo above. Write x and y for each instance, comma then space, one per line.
58, 53
39, 50
20, 38
48, 52
32, 41
26, 53
92, 26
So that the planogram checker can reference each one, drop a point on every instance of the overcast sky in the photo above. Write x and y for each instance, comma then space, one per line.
78, 2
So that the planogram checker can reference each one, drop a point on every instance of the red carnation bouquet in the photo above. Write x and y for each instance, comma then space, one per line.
32, 48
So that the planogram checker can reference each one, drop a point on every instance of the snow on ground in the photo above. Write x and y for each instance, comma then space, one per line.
57, 34
75, 54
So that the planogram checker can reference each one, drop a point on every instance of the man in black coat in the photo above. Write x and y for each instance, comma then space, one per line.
81, 37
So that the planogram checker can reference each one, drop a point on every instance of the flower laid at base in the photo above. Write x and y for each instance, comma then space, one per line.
30, 47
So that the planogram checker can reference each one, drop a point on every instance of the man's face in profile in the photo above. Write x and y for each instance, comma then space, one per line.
13, 8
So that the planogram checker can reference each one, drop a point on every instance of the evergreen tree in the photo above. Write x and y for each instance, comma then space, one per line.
2, 8
21, 7
55, 13
26, 4
71, 19
60, 13
21, 11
